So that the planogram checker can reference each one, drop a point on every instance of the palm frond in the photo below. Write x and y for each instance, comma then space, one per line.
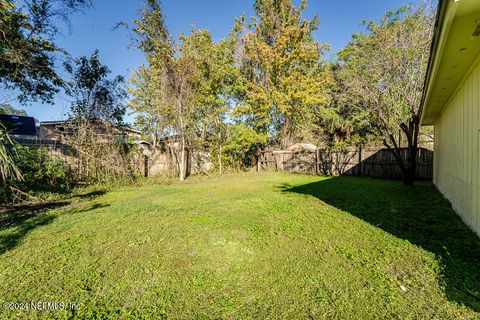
8, 168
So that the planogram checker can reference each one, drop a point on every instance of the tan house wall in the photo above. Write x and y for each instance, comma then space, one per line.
48, 132
457, 148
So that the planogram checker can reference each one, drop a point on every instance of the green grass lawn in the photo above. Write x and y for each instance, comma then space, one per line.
251, 246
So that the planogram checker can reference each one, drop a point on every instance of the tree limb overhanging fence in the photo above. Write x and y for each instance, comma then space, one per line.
368, 162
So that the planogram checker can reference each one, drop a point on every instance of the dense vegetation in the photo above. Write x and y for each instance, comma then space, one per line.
382, 72
251, 246
266, 83
28, 59
265, 245
39, 173
269, 76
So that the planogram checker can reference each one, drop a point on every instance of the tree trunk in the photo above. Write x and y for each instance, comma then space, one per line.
410, 165
220, 167
286, 132
411, 158
155, 136
182, 169
182, 160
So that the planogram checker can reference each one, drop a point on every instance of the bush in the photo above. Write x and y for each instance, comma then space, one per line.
41, 171
240, 146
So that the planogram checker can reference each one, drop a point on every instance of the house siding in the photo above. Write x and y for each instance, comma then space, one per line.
457, 148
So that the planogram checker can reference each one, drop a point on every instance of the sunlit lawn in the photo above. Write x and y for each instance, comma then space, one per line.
251, 246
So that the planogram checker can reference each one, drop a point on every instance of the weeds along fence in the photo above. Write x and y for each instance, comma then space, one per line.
368, 162
146, 159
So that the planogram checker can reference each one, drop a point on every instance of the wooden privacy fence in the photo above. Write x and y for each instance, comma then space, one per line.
368, 162
147, 160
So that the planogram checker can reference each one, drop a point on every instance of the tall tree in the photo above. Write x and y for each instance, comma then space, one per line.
183, 88
216, 78
95, 95
384, 70
285, 77
169, 77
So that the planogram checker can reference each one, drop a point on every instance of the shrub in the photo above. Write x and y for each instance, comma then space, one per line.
240, 146
41, 172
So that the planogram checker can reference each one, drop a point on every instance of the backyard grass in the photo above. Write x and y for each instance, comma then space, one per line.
248, 246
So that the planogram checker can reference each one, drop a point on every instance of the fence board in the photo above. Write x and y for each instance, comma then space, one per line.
370, 162
147, 160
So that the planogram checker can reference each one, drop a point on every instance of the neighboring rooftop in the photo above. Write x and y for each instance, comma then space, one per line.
19, 125
64, 122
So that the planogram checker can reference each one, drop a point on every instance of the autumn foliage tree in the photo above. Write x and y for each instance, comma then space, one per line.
285, 79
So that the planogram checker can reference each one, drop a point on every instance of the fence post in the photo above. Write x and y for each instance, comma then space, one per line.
279, 159
360, 156
316, 161
145, 166
259, 155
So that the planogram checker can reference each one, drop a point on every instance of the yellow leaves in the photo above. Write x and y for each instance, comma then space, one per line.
286, 69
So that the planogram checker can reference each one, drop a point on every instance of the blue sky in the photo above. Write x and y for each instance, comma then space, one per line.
95, 29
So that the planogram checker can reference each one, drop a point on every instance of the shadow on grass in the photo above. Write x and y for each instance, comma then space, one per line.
15, 215
418, 214
9, 240
91, 195
88, 207
16, 221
